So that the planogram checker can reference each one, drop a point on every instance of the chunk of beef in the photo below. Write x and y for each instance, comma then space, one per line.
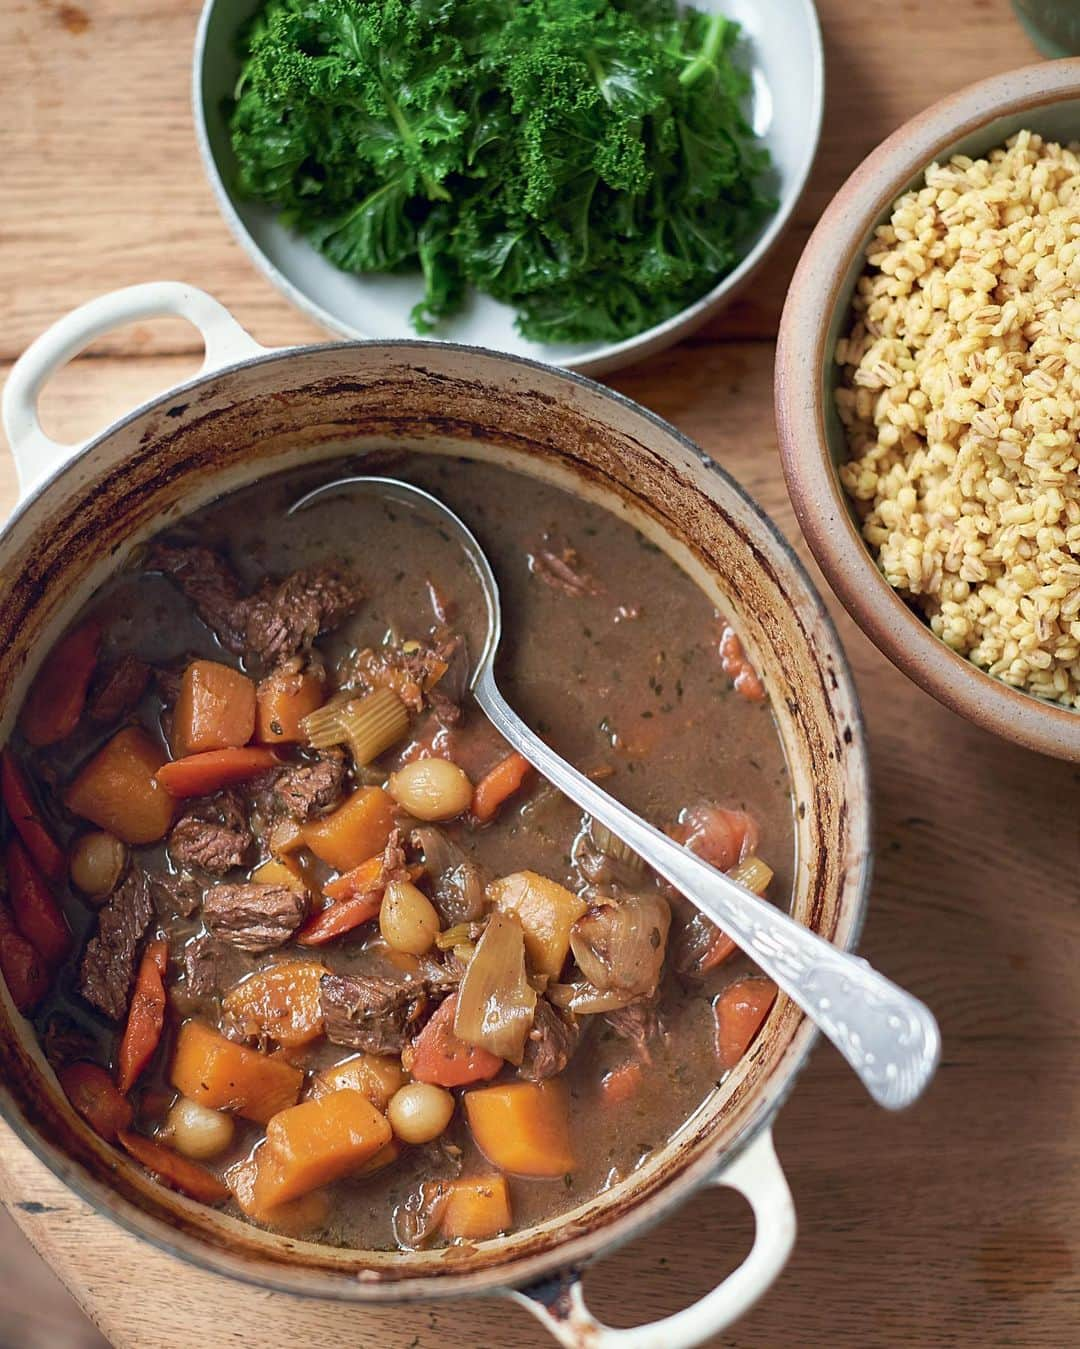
306, 789
210, 584
551, 1042
175, 896
365, 1011
107, 969
117, 690
281, 619
457, 882
253, 916
285, 617
213, 834
638, 1023
559, 566
211, 967
446, 697
433, 673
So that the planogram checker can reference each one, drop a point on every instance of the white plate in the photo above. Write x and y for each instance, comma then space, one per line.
781, 45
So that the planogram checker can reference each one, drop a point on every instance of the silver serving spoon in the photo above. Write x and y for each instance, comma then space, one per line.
890, 1038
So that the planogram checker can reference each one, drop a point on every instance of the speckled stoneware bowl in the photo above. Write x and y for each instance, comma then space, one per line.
1046, 99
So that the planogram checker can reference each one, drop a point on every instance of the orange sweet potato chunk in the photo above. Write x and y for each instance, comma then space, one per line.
357, 830
523, 1128
225, 1076
118, 789
281, 1002
282, 701
476, 1209
215, 709
318, 1142
376, 1076
295, 1218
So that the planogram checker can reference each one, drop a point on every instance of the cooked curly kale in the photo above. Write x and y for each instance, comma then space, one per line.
585, 161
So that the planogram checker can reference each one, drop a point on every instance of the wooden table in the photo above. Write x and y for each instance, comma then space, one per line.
952, 1225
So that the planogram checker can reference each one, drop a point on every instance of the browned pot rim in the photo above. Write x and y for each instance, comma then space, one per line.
653, 1201
802, 359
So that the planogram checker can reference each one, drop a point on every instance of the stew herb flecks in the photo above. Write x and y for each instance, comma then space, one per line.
297, 930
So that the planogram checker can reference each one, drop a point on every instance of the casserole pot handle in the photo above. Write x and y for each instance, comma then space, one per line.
38, 455
559, 1303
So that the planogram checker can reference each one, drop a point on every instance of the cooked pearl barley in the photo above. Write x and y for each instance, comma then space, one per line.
420, 1112
197, 1131
97, 863
432, 789
407, 918
960, 397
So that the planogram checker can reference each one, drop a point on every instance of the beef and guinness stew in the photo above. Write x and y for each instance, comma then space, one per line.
303, 937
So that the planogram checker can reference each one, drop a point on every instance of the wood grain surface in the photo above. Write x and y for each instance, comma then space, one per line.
955, 1224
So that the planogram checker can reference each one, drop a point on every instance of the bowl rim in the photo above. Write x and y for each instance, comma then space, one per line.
594, 361
577, 1248
812, 481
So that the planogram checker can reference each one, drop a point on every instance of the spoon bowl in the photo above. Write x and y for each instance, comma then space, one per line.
889, 1037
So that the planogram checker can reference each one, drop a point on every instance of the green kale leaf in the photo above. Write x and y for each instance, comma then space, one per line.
585, 161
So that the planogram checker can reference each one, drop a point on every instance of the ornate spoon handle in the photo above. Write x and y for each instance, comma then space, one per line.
890, 1038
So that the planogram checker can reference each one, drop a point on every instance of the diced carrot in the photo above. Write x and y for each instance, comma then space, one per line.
318, 1142
355, 898
94, 1096
475, 1209
215, 709
225, 1076
146, 1016
25, 816
376, 1076
58, 694
438, 1056
721, 948
281, 1002
37, 915
339, 918
175, 1171
523, 1128
740, 1011
501, 782
737, 667
360, 880
357, 830
294, 1218
622, 1083
718, 836
281, 871
118, 789
201, 774
546, 911
282, 702
24, 971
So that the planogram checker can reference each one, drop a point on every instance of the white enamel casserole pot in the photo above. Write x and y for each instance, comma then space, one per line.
251, 412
